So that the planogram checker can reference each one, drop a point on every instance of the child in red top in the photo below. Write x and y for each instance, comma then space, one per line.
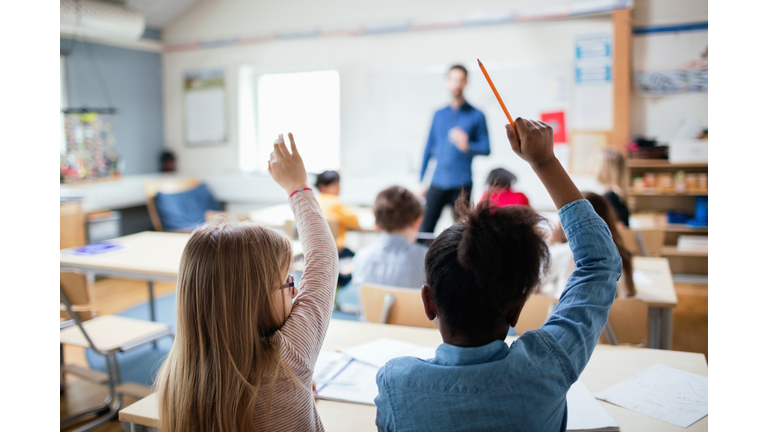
500, 182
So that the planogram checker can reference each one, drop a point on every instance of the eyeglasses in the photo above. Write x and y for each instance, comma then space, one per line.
289, 284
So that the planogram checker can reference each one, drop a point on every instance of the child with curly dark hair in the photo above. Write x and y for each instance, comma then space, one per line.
479, 274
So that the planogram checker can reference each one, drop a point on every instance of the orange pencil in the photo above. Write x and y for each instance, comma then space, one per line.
501, 102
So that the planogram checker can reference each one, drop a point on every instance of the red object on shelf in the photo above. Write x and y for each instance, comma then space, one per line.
556, 119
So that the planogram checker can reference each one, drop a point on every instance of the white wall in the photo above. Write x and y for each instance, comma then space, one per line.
359, 58
660, 116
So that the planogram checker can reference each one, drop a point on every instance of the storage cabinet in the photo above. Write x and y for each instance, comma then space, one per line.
649, 206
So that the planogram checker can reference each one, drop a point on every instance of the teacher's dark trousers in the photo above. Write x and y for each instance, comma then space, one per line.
437, 199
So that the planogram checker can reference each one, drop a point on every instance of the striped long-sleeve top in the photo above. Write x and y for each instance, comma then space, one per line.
300, 338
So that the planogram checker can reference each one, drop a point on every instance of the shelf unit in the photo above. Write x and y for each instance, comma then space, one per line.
682, 263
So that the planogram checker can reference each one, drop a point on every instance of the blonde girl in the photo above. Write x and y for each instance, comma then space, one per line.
247, 339
612, 174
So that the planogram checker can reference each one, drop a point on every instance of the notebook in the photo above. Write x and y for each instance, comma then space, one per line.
97, 248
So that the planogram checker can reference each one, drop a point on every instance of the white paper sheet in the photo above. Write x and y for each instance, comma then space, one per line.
640, 278
662, 392
340, 377
585, 412
379, 352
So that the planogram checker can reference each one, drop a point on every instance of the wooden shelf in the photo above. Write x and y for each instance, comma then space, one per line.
662, 163
674, 251
654, 194
681, 228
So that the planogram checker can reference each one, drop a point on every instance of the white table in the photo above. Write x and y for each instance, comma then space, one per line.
608, 366
149, 256
659, 292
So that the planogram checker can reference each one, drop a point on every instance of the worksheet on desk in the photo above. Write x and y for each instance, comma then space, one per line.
339, 377
662, 392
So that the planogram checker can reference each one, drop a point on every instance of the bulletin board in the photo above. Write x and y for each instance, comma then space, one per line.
205, 113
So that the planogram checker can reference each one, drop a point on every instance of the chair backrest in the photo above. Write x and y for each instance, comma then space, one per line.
168, 186
404, 305
75, 287
535, 312
643, 242
627, 323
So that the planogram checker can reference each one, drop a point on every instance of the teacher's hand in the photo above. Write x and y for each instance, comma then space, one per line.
287, 168
459, 138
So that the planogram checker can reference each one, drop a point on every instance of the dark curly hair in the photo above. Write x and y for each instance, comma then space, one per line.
492, 258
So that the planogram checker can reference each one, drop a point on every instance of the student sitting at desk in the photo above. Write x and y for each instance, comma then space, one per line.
500, 182
553, 281
329, 185
247, 339
479, 274
395, 259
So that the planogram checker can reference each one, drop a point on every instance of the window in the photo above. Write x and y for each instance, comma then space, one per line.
304, 103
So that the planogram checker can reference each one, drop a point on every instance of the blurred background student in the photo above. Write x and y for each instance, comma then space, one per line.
562, 265
500, 182
613, 176
395, 259
339, 217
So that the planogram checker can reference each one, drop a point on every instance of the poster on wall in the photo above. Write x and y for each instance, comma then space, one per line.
690, 77
592, 106
205, 120
556, 120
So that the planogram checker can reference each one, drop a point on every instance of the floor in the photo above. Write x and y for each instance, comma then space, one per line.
110, 296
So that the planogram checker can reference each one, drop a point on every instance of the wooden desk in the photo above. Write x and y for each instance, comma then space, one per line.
150, 256
660, 296
609, 365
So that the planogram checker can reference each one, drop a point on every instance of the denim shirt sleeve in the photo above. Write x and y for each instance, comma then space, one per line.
385, 416
582, 310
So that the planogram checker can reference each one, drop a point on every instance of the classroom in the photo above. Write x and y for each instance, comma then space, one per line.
479, 170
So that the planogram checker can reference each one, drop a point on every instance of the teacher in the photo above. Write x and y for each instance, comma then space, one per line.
458, 133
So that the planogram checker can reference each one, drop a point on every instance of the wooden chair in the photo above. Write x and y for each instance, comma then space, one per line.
643, 242
535, 312
391, 305
627, 323
168, 186
106, 335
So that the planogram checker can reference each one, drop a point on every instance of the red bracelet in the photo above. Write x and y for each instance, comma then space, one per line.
302, 189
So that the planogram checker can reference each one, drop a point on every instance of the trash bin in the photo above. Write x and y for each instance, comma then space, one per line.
103, 226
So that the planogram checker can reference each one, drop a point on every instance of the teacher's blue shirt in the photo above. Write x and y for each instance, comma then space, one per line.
454, 167
522, 387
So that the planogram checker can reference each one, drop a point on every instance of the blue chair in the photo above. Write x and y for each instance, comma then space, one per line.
178, 204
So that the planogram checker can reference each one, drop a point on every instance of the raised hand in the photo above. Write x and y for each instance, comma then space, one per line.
536, 144
287, 168
536, 147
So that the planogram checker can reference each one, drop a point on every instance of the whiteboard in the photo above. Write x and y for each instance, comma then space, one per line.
402, 102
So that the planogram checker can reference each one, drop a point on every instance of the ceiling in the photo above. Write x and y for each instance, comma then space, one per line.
159, 13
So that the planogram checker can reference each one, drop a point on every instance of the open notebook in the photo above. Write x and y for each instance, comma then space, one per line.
350, 376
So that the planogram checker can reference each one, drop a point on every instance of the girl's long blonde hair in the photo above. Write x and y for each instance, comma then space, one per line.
223, 355
612, 172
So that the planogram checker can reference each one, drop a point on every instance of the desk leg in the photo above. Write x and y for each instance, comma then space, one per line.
654, 324
665, 329
139, 428
151, 286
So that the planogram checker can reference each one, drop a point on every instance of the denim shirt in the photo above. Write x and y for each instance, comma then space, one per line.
521, 387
